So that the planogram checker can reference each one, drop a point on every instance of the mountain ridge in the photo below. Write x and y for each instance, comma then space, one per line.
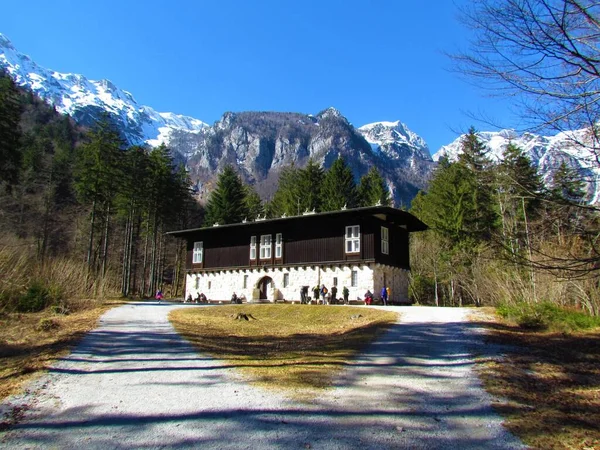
259, 144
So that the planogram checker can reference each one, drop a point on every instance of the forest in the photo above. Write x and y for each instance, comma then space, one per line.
82, 215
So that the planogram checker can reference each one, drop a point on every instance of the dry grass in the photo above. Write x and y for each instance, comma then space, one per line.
295, 348
30, 342
548, 386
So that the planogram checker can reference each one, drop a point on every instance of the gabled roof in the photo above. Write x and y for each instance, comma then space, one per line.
387, 213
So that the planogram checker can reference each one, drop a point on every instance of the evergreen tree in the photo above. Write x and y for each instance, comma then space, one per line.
567, 185
310, 181
98, 173
10, 114
477, 183
227, 202
298, 191
448, 205
338, 188
253, 203
372, 189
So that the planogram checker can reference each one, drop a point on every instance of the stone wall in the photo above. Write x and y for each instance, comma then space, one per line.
220, 285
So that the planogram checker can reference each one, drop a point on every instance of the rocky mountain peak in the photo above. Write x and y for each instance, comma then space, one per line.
5, 42
330, 112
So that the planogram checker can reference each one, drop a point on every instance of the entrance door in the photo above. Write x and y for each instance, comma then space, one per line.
264, 285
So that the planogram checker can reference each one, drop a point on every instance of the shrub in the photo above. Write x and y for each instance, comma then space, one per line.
546, 315
35, 299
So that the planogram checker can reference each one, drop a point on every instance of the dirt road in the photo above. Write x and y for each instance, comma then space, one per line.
134, 383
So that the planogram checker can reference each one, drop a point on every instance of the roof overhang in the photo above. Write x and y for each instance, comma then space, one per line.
395, 216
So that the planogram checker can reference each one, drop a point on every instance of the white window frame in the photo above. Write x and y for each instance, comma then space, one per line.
253, 247
286, 280
279, 246
198, 252
352, 239
385, 240
266, 246
354, 278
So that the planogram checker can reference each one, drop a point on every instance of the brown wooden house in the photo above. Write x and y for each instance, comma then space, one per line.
361, 249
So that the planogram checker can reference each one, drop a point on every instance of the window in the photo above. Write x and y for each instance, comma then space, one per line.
245, 281
278, 245
265, 246
385, 241
209, 284
198, 252
354, 278
253, 247
335, 281
197, 285
286, 279
353, 239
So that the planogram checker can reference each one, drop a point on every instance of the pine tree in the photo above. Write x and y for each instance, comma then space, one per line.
298, 191
372, 189
98, 174
253, 203
477, 182
567, 185
227, 202
338, 189
10, 114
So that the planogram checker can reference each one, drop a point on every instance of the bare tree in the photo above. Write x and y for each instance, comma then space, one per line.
543, 53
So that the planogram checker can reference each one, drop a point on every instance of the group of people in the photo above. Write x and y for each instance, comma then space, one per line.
327, 297
385, 295
200, 298
321, 292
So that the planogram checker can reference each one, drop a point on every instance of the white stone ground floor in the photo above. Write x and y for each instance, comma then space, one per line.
285, 283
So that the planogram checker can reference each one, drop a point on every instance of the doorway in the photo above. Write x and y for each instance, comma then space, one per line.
264, 285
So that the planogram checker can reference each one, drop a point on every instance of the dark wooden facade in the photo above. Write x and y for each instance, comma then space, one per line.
309, 239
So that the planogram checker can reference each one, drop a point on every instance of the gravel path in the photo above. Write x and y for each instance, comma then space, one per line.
134, 383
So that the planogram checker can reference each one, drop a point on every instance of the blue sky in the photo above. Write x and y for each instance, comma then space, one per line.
373, 60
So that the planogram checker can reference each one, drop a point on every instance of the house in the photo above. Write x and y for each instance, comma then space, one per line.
268, 260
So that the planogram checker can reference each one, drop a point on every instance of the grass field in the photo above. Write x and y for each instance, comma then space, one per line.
30, 342
296, 348
547, 386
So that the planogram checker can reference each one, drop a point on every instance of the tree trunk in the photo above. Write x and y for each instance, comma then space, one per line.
106, 236
134, 253
91, 241
124, 268
145, 263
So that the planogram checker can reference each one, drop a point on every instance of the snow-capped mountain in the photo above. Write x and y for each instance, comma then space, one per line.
259, 144
396, 141
85, 99
574, 148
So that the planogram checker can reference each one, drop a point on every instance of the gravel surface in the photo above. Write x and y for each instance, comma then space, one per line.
134, 383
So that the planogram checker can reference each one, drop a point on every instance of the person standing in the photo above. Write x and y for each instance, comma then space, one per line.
384, 295
345, 293
324, 292
334, 295
389, 294
316, 290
